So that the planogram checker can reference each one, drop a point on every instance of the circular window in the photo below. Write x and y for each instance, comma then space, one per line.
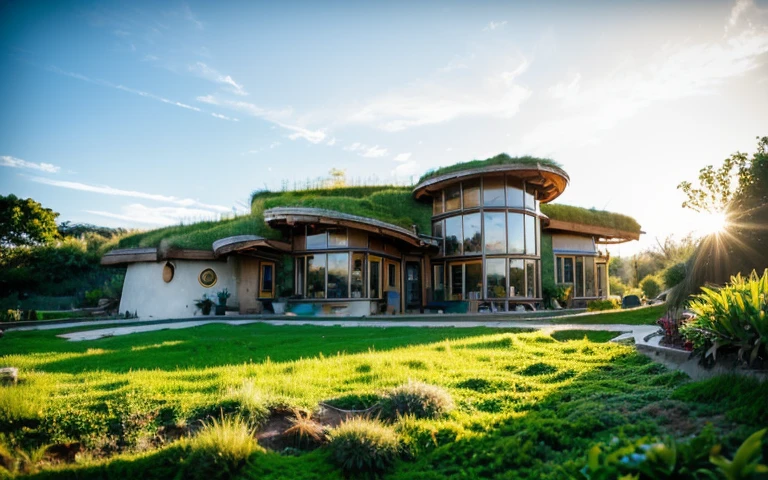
168, 271
207, 278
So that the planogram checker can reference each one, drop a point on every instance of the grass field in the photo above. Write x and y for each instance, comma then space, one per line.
528, 405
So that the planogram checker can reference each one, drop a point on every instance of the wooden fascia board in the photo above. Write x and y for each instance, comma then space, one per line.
604, 232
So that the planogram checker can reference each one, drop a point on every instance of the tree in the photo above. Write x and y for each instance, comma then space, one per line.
25, 222
650, 286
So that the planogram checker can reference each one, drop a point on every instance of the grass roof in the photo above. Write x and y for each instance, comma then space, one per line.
590, 216
389, 204
501, 159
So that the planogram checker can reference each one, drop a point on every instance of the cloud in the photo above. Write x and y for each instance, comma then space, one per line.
107, 190
151, 58
13, 162
402, 157
331, 142
366, 151
494, 25
739, 8
406, 169
213, 75
224, 117
312, 136
138, 213
454, 64
189, 16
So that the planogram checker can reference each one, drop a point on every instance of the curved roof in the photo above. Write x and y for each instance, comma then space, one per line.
294, 215
239, 243
549, 179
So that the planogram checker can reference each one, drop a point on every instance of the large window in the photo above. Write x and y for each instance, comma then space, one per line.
453, 236
357, 283
471, 194
338, 275
515, 193
473, 237
589, 276
530, 276
530, 201
493, 191
453, 198
439, 282
337, 238
516, 277
515, 233
375, 280
319, 239
473, 273
495, 229
437, 203
437, 231
495, 277
316, 276
530, 235
267, 285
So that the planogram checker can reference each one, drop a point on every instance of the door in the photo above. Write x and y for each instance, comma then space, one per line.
412, 285
247, 284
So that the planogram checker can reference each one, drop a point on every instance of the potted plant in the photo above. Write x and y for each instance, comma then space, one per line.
204, 304
223, 295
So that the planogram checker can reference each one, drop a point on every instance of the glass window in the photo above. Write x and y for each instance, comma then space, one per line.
391, 275
338, 275
457, 282
530, 275
437, 203
530, 202
439, 282
375, 283
267, 280
495, 230
437, 231
493, 191
473, 238
579, 277
316, 276
453, 198
337, 238
471, 194
589, 276
602, 280
515, 193
453, 235
568, 270
530, 235
559, 271
357, 284
300, 287
515, 234
496, 277
317, 241
474, 280
516, 277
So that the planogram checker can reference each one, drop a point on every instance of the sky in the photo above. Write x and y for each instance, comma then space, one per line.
142, 114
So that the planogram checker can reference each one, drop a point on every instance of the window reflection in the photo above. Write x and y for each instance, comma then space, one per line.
437, 203
530, 235
474, 280
471, 194
338, 275
516, 277
515, 233
453, 235
495, 229
493, 191
495, 277
515, 193
453, 198
472, 234
530, 275
316, 276
357, 284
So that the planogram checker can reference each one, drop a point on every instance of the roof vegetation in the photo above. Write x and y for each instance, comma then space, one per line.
590, 216
385, 203
501, 159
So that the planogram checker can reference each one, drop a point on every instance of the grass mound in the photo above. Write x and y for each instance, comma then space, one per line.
361, 446
418, 399
501, 159
221, 447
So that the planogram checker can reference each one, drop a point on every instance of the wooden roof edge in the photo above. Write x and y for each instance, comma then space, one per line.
236, 243
612, 234
129, 255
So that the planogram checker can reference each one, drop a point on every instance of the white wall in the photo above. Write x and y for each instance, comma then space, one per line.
573, 243
145, 292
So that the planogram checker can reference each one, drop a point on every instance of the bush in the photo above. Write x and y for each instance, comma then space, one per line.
616, 286
222, 447
600, 305
362, 446
735, 315
92, 297
650, 286
674, 274
418, 399
251, 402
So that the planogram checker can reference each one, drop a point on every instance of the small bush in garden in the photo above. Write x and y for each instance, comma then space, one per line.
418, 399
304, 431
362, 446
675, 274
735, 315
251, 401
600, 305
221, 447
650, 286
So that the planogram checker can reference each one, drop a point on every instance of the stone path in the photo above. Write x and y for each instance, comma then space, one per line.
638, 332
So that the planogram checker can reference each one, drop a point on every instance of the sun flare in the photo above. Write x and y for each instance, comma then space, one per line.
713, 223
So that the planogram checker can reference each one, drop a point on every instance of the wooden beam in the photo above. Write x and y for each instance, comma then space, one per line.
604, 232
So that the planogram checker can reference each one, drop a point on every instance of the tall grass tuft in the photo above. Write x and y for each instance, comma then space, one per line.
304, 431
418, 399
222, 447
361, 446
251, 401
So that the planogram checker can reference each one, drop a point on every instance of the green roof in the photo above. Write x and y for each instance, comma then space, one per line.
389, 204
501, 159
590, 216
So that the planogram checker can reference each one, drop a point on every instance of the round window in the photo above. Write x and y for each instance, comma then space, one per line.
168, 271
207, 278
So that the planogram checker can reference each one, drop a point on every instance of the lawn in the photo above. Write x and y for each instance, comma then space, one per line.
528, 405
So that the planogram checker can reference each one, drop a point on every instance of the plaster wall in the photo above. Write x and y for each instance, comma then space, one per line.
145, 292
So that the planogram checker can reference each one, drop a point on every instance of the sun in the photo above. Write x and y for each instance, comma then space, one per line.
713, 223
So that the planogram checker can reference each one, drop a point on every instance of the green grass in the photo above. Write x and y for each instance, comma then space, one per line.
501, 159
590, 216
591, 335
632, 316
525, 402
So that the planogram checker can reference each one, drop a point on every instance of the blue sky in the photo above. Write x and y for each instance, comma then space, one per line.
140, 114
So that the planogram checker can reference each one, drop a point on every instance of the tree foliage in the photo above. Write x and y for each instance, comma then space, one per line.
25, 222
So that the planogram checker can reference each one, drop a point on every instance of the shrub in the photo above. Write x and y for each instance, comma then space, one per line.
362, 446
222, 447
92, 297
600, 305
674, 274
304, 430
650, 286
735, 315
616, 286
418, 399
251, 401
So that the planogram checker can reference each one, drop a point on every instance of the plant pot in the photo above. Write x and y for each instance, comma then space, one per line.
206, 309
279, 307
221, 309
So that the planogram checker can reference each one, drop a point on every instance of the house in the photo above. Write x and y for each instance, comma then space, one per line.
477, 236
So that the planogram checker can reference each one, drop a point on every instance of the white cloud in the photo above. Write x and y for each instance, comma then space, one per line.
13, 162
224, 117
331, 142
494, 25
107, 190
189, 16
739, 8
213, 75
454, 64
366, 150
150, 58
312, 136
138, 213
402, 157
406, 169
